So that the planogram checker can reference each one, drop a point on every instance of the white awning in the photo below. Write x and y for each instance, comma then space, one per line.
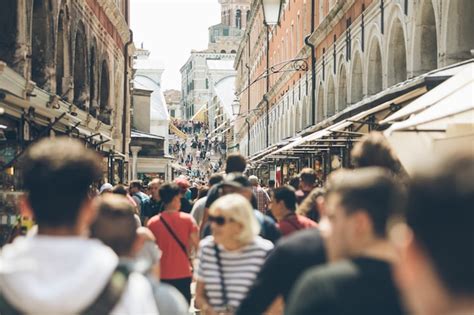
347, 122
446, 123
444, 90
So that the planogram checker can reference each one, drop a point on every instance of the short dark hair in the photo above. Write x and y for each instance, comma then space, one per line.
308, 176
215, 179
375, 150
440, 213
370, 189
235, 163
287, 194
295, 182
57, 174
168, 191
115, 224
120, 190
271, 183
136, 184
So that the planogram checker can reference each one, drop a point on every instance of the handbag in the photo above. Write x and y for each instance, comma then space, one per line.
229, 309
180, 244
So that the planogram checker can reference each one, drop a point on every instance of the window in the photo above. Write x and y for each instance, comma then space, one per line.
238, 19
226, 32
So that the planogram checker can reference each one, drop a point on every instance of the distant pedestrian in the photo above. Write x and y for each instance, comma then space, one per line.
263, 200
307, 183
176, 235
283, 208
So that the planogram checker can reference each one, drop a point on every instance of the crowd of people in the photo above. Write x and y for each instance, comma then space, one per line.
201, 154
372, 240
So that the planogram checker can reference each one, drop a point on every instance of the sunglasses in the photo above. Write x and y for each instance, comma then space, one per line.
219, 220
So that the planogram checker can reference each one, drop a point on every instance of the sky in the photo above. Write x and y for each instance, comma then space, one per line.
170, 29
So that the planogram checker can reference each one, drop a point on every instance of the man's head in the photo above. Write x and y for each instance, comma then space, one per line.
57, 176
183, 184
170, 195
359, 204
308, 178
135, 186
153, 188
436, 271
253, 180
115, 224
374, 150
215, 179
235, 163
237, 183
271, 183
283, 200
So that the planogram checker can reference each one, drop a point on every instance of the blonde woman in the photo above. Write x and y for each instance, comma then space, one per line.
230, 259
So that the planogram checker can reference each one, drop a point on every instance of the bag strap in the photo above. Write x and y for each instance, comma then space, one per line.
112, 293
175, 237
221, 275
103, 304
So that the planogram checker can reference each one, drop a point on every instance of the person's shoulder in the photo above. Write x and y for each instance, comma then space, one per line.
334, 273
138, 296
207, 242
263, 244
185, 216
306, 221
154, 220
306, 239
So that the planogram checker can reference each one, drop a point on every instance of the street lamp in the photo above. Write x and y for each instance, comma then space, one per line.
235, 107
271, 11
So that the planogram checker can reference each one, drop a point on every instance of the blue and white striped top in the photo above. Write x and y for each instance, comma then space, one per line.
240, 270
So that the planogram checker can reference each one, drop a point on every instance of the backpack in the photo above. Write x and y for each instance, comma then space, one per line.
103, 304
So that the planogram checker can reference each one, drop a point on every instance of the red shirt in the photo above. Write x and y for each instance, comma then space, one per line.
295, 222
174, 262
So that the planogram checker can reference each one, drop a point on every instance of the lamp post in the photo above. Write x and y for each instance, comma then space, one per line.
271, 11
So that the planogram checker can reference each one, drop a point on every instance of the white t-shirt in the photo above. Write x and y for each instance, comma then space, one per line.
240, 269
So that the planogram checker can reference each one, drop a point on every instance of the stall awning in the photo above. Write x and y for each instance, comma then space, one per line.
177, 132
340, 126
446, 123
220, 127
200, 115
444, 90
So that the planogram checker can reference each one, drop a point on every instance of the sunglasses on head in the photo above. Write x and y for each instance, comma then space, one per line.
219, 220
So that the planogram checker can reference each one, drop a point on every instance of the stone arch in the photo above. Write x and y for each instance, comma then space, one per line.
233, 51
61, 55
374, 68
223, 51
356, 78
42, 43
320, 104
93, 77
298, 117
8, 25
331, 97
397, 56
459, 31
81, 93
304, 117
425, 52
342, 88
104, 93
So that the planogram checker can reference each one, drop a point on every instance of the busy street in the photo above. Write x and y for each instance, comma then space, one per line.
237, 157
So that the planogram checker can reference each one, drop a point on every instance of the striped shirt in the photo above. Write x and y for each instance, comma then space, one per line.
240, 270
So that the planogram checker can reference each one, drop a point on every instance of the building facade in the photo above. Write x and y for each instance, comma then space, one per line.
151, 119
173, 102
65, 68
224, 41
361, 48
